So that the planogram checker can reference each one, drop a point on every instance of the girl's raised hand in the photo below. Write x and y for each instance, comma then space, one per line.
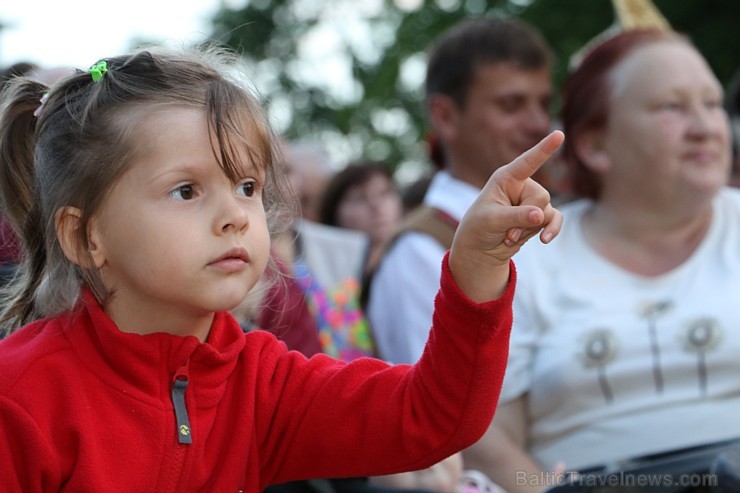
509, 210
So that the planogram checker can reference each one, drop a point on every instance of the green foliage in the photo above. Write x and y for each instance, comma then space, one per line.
374, 107
711, 24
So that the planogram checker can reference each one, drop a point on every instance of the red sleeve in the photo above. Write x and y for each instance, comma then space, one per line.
27, 461
368, 418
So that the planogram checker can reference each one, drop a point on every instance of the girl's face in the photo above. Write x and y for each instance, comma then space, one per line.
667, 135
175, 238
373, 207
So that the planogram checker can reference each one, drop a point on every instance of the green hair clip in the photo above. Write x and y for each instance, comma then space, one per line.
97, 70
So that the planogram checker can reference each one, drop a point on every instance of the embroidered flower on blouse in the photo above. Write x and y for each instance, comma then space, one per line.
701, 335
599, 348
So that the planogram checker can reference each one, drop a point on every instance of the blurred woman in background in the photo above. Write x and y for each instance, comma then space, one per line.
363, 197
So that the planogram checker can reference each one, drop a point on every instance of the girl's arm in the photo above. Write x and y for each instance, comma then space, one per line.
368, 418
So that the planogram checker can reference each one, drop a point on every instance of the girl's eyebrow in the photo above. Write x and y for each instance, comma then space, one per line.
188, 168
184, 170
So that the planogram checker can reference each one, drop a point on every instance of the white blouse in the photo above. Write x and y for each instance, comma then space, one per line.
618, 365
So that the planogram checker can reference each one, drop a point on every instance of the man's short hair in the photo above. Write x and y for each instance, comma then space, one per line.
457, 53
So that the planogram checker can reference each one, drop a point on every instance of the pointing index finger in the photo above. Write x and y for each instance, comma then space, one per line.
528, 163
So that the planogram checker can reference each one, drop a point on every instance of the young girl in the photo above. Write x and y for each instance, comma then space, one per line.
142, 190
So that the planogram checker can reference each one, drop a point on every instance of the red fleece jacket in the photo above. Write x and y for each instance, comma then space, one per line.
87, 408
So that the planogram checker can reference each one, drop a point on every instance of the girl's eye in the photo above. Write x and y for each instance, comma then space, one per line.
246, 189
183, 192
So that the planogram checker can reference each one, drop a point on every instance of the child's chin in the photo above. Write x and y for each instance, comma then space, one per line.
228, 303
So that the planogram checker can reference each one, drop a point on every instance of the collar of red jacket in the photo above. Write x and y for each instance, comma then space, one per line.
144, 365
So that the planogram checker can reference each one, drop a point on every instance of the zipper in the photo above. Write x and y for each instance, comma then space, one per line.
179, 385
177, 467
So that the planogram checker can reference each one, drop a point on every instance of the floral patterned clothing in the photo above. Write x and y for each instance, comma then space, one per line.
343, 329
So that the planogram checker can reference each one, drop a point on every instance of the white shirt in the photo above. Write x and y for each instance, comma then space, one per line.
618, 365
402, 293
333, 254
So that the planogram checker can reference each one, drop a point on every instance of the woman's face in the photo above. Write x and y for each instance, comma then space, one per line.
373, 207
667, 133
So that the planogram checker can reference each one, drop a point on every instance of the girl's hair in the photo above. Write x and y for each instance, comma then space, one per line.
587, 97
353, 175
82, 140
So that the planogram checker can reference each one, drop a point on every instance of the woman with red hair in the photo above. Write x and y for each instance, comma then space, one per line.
626, 328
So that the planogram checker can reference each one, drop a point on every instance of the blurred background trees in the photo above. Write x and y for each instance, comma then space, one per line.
349, 73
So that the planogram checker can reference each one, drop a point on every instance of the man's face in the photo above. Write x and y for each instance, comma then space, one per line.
507, 111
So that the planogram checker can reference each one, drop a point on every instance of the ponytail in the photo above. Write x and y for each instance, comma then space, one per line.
18, 198
17, 141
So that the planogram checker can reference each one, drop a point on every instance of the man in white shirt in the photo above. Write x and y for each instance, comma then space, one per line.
488, 92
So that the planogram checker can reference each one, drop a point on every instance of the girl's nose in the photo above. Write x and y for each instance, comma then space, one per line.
232, 215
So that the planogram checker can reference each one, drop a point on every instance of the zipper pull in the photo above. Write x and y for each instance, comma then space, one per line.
179, 385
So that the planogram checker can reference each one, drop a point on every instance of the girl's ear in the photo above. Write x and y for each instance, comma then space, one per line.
589, 147
68, 222
443, 113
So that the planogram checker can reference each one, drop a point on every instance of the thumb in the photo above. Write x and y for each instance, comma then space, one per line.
520, 217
